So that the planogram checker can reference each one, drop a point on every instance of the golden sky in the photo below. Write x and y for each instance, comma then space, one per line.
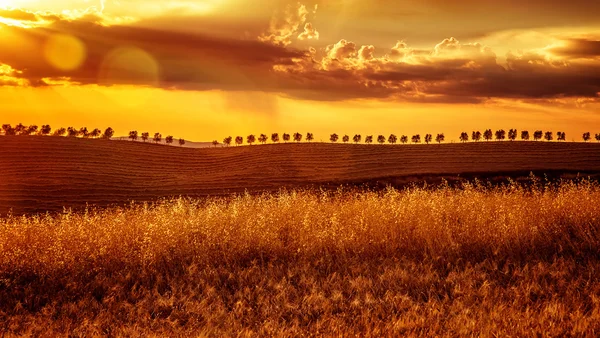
207, 69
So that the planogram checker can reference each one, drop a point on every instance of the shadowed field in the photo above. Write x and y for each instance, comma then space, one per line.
40, 174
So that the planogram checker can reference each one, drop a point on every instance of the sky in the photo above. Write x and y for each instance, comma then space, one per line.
207, 69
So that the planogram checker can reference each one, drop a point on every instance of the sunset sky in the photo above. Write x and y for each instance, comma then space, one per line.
207, 69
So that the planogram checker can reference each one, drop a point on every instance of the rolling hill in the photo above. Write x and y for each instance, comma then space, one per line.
40, 174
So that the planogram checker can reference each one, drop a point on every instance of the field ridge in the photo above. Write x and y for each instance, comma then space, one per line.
40, 174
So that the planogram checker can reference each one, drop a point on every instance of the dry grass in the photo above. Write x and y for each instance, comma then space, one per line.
504, 261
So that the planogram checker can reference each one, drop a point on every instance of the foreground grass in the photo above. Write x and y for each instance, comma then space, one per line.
505, 261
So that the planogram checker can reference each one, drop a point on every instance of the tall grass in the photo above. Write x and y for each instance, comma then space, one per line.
507, 260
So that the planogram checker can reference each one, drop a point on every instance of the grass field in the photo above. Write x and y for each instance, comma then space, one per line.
39, 174
477, 261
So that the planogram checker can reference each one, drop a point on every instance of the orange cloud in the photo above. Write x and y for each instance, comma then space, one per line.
309, 33
10, 77
450, 71
126, 55
283, 27
578, 49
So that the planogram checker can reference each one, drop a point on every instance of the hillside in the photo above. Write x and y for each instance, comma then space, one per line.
47, 173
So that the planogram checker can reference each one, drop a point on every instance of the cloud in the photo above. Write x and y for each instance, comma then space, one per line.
10, 77
366, 53
341, 50
448, 71
142, 56
578, 48
309, 33
285, 25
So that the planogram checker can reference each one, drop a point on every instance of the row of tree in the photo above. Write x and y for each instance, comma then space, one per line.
157, 138
45, 130
476, 136
512, 134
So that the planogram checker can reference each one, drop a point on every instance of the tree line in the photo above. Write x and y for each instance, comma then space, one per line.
46, 130
476, 136
157, 138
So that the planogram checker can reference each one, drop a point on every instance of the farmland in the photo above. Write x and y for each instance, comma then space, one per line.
299, 255
39, 174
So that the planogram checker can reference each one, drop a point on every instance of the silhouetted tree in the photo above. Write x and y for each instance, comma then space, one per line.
181, 142
133, 135
381, 139
145, 136
95, 133
561, 136
297, 137
20, 129
275, 138
512, 134
369, 139
263, 138
404, 139
72, 132
31, 130
45, 130
500, 134
334, 137
476, 136
346, 139
8, 129
239, 140
215, 143
227, 140
357, 138
537, 135
169, 139
157, 137
393, 139
250, 139
464, 137
428, 138
586, 136
83, 132
310, 137
488, 135
597, 137
416, 138
286, 137
60, 132
548, 136
108, 133
440, 138
525, 135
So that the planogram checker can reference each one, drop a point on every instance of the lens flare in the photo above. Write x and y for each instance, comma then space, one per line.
65, 52
129, 66
133, 68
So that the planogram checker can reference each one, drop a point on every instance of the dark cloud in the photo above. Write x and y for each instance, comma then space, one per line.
185, 60
578, 48
449, 72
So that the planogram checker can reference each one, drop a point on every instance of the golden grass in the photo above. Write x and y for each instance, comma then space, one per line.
504, 261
